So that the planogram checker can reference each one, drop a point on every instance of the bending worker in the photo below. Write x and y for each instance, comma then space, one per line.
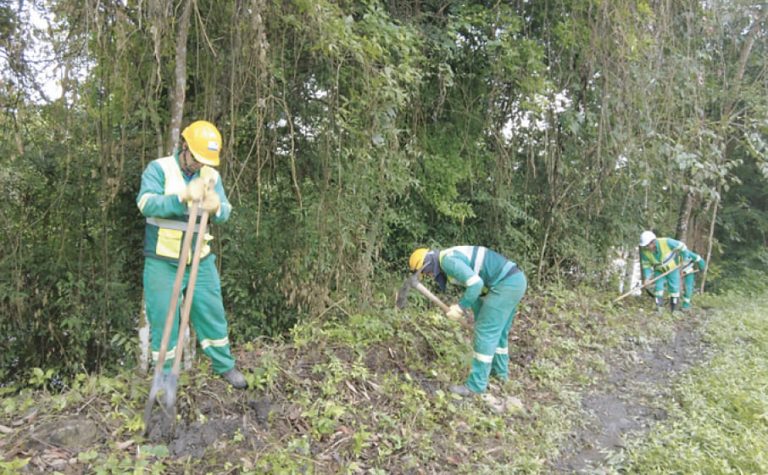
478, 268
689, 275
657, 256
168, 185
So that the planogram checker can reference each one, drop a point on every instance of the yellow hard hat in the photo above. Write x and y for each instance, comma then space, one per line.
204, 141
416, 261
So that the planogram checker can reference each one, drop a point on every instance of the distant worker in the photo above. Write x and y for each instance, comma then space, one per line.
480, 270
689, 273
657, 256
168, 185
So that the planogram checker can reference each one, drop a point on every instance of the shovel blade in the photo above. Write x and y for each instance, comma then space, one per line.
162, 392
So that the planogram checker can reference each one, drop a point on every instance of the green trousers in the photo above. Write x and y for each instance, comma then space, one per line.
671, 281
206, 314
689, 285
494, 315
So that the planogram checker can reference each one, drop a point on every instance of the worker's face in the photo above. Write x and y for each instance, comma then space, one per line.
188, 162
651, 246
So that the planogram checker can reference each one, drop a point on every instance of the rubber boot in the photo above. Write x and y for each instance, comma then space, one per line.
659, 305
673, 304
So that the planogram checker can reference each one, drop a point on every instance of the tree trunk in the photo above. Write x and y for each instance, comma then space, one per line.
711, 237
177, 104
684, 217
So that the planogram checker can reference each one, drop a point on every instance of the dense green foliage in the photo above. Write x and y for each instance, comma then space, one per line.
355, 131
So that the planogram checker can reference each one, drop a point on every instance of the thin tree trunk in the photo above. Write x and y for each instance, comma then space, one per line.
686, 207
709, 245
177, 105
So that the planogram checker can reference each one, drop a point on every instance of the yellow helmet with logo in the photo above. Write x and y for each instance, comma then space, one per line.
204, 141
416, 261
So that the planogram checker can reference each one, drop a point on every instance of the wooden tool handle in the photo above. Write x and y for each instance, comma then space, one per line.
190, 293
426, 292
172, 304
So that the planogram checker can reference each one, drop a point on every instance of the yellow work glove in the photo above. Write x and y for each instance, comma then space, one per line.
455, 312
211, 202
194, 191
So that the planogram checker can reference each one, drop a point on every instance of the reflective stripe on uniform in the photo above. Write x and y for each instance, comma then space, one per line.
143, 200
502, 351
170, 224
484, 358
473, 280
479, 259
169, 354
214, 343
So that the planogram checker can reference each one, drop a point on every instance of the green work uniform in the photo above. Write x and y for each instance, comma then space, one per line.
689, 276
662, 259
166, 217
482, 270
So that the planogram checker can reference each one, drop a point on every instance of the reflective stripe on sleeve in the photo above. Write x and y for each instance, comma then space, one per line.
215, 343
484, 358
479, 259
473, 280
143, 200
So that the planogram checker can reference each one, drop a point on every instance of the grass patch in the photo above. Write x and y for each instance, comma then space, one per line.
719, 416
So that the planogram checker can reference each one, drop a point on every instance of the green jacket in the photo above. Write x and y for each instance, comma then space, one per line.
665, 257
474, 267
158, 200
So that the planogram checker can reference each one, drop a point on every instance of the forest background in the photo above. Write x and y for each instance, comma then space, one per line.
355, 131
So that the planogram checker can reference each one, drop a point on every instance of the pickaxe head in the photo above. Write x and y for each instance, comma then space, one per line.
401, 299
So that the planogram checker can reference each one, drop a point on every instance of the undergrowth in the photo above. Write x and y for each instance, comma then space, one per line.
350, 393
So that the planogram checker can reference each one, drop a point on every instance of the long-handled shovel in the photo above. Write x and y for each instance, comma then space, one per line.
173, 378
649, 282
162, 382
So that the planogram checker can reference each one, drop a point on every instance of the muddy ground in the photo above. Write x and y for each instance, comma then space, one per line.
631, 398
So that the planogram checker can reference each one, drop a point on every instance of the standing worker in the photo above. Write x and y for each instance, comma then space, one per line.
689, 279
168, 186
478, 268
657, 256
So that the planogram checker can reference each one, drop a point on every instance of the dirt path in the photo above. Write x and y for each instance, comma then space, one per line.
632, 396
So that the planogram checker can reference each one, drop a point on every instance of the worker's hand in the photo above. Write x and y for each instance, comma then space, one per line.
455, 312
194, 191
211, 202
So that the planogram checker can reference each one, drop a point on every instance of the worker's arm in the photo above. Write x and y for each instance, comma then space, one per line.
689, 255
457, 269
152, 200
